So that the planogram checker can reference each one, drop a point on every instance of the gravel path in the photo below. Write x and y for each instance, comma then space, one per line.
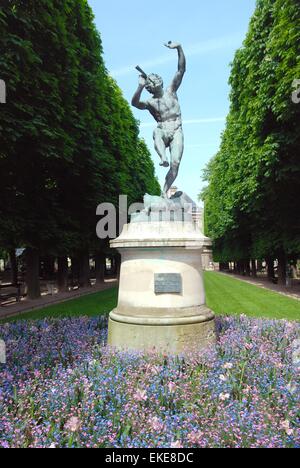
16, 308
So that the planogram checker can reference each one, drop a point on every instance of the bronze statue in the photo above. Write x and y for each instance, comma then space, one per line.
165, 108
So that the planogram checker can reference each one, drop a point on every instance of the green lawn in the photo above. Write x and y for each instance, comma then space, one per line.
92, 304
225, 295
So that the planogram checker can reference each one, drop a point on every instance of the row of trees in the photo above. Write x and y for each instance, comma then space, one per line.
252, 200
69, 140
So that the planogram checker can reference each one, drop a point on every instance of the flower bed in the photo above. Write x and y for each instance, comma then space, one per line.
62, 387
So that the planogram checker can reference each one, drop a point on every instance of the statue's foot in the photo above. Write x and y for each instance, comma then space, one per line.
164, 163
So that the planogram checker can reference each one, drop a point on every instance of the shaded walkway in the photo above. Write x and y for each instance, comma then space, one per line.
27, 305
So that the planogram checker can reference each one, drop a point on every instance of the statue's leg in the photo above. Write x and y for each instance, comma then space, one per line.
160, 147
176, 150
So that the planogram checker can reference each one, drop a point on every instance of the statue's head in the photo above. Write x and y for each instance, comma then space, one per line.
154, 83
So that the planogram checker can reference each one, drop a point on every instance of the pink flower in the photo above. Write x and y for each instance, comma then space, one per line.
176, 444
285, 425
155, 370
140, 395
195, 437
156, 424
279, 365
291, 388
73, 425
223, 378
224, 396
228, 365
171, 387
248, 346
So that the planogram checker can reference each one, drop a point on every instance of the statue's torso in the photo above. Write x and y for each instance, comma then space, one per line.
166, 108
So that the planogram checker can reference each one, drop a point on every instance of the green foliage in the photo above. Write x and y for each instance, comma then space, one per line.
252, 201
69, 140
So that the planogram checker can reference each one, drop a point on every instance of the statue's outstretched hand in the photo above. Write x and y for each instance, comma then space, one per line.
172, 45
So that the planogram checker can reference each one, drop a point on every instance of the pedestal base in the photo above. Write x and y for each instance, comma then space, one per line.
161, 302
167, 334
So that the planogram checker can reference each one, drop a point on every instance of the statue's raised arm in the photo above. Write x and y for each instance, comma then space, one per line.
177, 80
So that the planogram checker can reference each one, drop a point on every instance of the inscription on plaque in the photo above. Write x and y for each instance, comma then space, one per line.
168, 283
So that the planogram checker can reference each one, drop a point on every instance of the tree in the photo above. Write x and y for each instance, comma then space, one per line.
69, 139
33, 139
254, 188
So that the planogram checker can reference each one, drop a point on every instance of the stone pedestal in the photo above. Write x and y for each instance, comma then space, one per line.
161, 301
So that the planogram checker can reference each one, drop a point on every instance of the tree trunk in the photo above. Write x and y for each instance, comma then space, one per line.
14, 266
75, 271
240, 267
32, 277
100, 267
84, 271
49, 267
247, 267
62, 274
282, 273
270, 268
259, 265
253, 268
224, 266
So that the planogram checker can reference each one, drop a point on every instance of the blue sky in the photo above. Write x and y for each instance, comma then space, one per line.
133, 33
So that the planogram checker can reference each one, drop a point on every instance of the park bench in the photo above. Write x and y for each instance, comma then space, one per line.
9, 291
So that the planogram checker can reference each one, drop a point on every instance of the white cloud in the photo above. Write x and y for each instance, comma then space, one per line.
200, 48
